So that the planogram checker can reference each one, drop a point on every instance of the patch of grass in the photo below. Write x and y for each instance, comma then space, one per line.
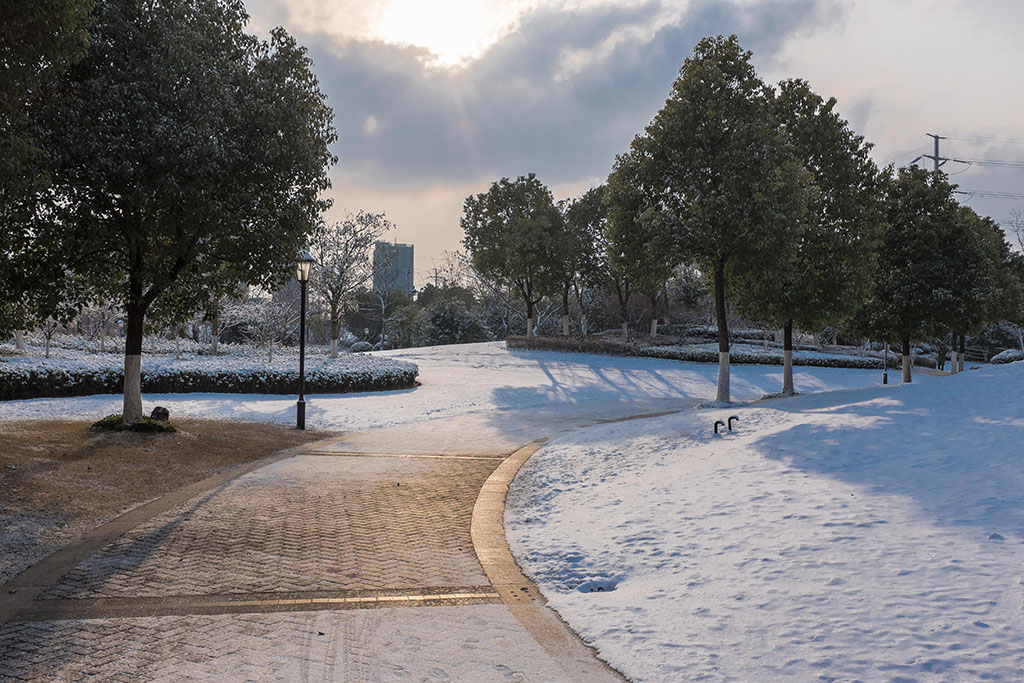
147, 425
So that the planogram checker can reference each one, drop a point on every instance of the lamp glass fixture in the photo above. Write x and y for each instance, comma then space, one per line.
305, 262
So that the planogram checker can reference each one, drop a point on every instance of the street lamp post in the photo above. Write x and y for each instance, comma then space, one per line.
302, 275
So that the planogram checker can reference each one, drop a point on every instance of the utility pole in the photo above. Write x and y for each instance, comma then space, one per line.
937, 160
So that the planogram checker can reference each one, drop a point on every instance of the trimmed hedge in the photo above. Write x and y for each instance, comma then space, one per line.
613, 347
55, 382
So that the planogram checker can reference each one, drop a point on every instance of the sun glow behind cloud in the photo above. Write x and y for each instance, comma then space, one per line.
453, 30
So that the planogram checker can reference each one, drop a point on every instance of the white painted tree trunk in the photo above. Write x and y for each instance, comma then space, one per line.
214, 334
46, 346
334, 348
583, 328
906, 369
565, 326
132, 410
529, 327
625, 330
952, 363
270, 353
103, 339
723, 377
960, 362
787, 372
19, 340
654, 327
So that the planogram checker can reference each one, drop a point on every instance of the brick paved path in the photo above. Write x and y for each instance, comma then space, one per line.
352, 560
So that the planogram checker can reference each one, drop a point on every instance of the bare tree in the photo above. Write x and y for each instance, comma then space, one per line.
48, 328
1017, 227
384, 288
98, 318
342, 252
268, 322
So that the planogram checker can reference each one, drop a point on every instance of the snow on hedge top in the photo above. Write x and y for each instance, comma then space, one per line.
240, 360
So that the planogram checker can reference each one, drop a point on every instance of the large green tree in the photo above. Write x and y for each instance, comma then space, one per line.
586, 218
640, 245
514, 236
188, 155
981, 288
913, 288
825, 269
714, 161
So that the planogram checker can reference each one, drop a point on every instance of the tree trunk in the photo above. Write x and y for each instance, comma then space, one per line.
723, 333
270, 352
46, 345
963, 350
583, 326
654, 315
214, 334
132, 409
787, 359
19, 340
177, 343
103, 338
625, 330
1020, 338
335, 330
565, 312
529, 314
906, 359
952, 356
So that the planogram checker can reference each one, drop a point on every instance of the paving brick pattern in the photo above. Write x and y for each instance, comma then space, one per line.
312, 523
468, 643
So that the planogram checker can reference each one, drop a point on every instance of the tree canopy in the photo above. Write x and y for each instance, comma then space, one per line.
188, 157
713, 164
513, 233
825, 269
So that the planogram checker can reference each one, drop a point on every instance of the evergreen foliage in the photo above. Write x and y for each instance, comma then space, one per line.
188, 157
514, 235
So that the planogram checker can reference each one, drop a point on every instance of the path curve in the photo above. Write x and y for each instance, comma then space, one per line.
378, 555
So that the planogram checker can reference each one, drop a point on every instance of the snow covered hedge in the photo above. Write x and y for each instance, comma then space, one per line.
683, 353
1007, 356
77, 374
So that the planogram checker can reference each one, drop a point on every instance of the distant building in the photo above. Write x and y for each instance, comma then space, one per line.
392, 267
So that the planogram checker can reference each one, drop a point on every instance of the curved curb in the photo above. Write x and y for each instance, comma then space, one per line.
520, 595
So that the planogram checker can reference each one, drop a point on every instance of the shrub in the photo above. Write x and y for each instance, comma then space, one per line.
114, 423
618, 347
23, 380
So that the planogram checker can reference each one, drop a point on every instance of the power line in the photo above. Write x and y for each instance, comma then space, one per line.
992, 194
990, 162
985, 139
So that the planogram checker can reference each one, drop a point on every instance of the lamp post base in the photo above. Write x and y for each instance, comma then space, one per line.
300, 414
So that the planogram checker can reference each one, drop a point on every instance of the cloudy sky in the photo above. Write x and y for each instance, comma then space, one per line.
436, 99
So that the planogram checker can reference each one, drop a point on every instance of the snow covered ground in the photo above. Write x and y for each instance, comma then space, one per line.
872, 534
456, 380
